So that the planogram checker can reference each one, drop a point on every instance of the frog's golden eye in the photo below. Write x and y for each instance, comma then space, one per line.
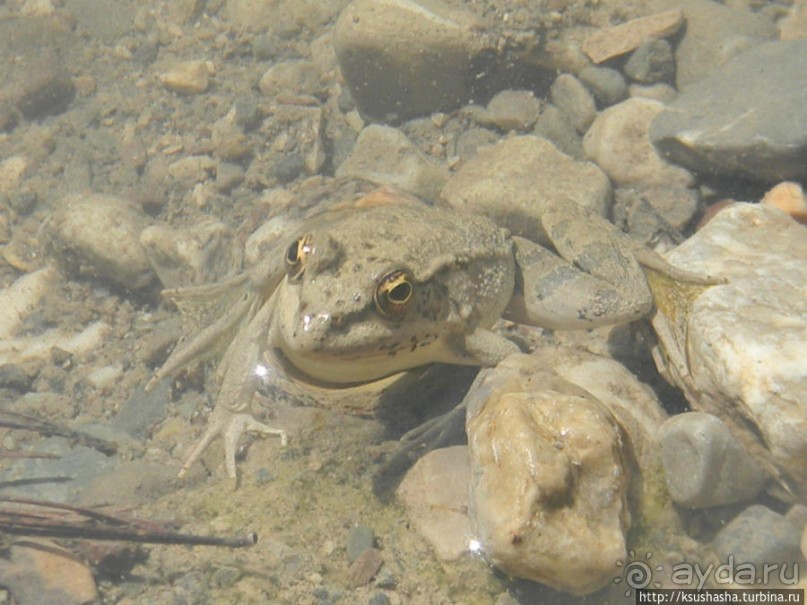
394, 293
296, 256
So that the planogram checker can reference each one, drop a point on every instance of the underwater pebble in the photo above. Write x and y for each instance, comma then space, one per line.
290, 77
22, 297
797, 515
201, 254
788, 197
41, 346
553, 126
228, 177
379, 599
663, 93
100, 234
618, 142
366, 565
610, 42
652, 62
434, 492
46, 89
188, 77
794, 24
229, 141
105, 377
607, 85
758, 536
574, 100
359, 539
704, 464
13, 376
40, 571
11, 170
385, 156
513, 109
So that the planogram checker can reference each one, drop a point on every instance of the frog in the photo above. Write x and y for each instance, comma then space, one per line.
360, 296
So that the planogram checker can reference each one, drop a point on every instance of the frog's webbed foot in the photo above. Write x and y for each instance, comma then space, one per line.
230, 425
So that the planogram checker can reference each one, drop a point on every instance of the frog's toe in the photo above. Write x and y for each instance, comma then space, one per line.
239, 424
230, 426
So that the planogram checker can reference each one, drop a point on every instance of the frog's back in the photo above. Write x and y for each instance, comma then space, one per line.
421, 237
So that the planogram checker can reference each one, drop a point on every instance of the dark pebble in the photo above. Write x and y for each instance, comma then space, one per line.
379, 599
365, 567
606, 84
652, 62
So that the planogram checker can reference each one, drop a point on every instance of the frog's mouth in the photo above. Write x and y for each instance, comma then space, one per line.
356, 366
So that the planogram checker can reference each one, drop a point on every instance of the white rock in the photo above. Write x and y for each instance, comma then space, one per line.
22, 297
99, 234
739, 350
80, 344
618, 141
435, 494
105, 377
549, 487
188, 77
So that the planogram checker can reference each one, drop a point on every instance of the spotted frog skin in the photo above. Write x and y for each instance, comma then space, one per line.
360, 295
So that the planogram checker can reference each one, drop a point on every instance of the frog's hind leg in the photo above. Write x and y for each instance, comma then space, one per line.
553, 292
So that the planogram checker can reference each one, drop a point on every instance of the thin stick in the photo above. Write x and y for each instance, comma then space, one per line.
55, 521
13, 420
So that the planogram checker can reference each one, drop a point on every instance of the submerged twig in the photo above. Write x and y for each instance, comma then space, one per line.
14, 420
55, 520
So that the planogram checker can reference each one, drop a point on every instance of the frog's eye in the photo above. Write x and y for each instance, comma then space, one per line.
296, 256
393, 294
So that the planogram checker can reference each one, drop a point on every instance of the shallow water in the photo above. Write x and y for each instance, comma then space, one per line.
107, 124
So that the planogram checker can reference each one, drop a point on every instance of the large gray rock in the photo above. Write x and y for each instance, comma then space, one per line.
737, 349
748, 119
714, 34
704, 464
514, 179
405, 58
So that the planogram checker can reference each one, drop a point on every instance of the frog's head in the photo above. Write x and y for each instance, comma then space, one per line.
369, 296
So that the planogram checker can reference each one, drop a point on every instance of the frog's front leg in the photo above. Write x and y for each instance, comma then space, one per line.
239, 381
